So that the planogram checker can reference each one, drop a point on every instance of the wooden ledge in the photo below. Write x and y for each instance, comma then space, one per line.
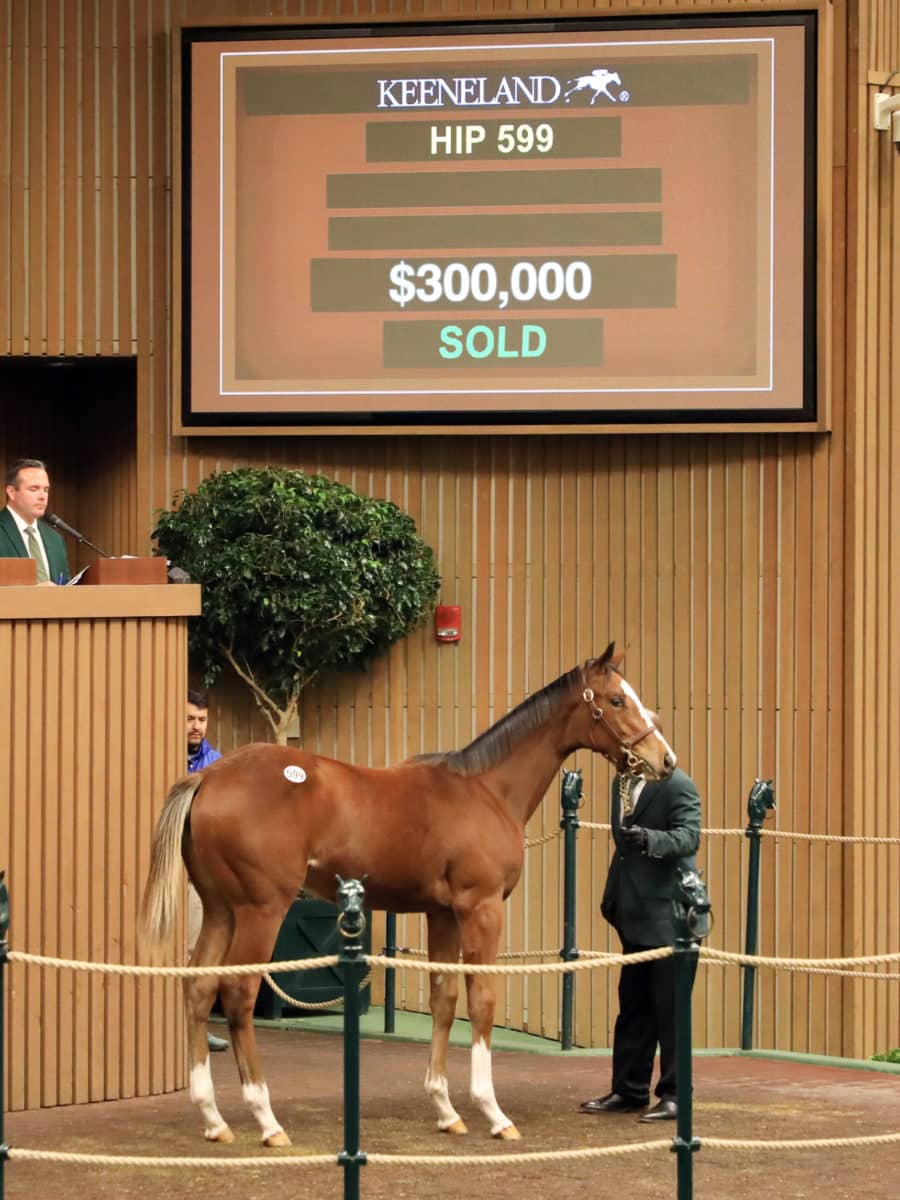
81, 603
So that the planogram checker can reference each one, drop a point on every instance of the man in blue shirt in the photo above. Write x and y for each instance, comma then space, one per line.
200, 754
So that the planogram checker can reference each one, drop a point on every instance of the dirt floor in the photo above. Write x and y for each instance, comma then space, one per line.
735, 1097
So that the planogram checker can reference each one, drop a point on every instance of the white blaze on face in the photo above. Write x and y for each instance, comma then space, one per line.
204, 1096
481, 1087
635, 698
257, 1097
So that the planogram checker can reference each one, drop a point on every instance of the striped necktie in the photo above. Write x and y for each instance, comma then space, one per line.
626, 789
34, 551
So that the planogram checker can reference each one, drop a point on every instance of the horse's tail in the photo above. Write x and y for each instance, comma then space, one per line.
159, 906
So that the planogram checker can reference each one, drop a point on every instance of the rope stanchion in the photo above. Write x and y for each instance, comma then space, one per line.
530, 843
148, 1160
587, 964
777, 833
320, 1160
418, 953
797, 964
524, 1159
874, 1139
313, 1006
588, 961
294, 964
448, 1160
352, 1158
846, 839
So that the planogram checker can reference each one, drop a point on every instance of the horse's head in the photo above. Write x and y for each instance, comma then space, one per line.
621, 727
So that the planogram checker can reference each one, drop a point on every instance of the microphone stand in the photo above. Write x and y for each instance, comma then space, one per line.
84, 541
58, 523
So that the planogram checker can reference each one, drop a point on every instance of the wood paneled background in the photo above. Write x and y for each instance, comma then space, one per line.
752, 577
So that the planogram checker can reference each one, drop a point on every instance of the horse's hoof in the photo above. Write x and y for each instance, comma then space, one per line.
275, 1140
223, 1135
457, 1127
508, 1133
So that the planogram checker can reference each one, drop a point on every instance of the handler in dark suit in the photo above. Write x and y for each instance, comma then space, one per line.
656, 828
23, 534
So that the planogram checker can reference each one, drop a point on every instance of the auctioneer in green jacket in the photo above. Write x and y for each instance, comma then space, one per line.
12, 546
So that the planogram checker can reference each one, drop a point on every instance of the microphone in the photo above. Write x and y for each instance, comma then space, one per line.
56, 522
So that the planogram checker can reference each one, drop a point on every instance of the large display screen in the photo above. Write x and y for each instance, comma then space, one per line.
472, 227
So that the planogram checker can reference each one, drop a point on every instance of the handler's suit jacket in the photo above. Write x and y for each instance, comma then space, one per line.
12, 546
637, 899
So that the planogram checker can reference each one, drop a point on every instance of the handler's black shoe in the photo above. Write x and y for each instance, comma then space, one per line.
666, 1110
611, 1103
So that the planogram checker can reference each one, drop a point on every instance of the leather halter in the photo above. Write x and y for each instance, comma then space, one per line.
633, 762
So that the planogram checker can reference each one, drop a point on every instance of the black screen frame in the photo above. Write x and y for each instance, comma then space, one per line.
809, 415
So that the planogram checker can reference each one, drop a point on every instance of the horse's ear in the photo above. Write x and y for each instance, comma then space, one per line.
606, 657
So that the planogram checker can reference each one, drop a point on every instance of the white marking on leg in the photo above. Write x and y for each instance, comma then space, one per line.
204, 1096
481, 1088
437, 1088
257, 1097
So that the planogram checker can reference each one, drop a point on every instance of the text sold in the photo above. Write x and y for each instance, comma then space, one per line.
485, 341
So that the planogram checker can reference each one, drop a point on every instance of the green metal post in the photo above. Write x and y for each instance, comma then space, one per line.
351, 923
390, 975
4, 950
760, 800
571, 802
692, 917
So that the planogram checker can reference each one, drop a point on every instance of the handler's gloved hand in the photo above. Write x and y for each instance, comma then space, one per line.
635, 837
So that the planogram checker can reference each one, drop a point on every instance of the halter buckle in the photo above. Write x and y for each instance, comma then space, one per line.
632, 762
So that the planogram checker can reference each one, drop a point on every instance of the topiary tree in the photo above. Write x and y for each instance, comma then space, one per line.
300, 575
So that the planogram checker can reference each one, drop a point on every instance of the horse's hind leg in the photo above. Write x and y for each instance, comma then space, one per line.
254, 936
443, 946
199, 994
480, 928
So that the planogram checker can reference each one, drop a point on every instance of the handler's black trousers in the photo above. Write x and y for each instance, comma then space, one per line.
646, 1019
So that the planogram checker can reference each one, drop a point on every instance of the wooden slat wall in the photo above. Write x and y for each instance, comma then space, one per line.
96, 744
872, 1012
731, 564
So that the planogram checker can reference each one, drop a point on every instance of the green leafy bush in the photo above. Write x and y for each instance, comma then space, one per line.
890, 1056
300, 575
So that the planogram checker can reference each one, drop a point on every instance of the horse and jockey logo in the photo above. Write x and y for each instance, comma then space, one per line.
598, 84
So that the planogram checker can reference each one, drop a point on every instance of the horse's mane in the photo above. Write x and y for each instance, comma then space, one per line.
501, 739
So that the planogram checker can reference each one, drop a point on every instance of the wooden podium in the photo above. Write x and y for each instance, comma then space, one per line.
94, 681
130, 572
127, 571
17, 572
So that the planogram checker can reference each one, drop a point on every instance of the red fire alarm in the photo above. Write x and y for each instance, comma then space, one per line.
448, 622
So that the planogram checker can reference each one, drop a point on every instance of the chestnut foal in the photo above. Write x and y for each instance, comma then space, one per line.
440, 834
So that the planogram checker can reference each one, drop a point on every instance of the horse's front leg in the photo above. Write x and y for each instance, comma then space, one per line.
480, 929
443, 946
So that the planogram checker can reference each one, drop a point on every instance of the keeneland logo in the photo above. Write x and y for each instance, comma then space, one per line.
480, 91
597, 83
